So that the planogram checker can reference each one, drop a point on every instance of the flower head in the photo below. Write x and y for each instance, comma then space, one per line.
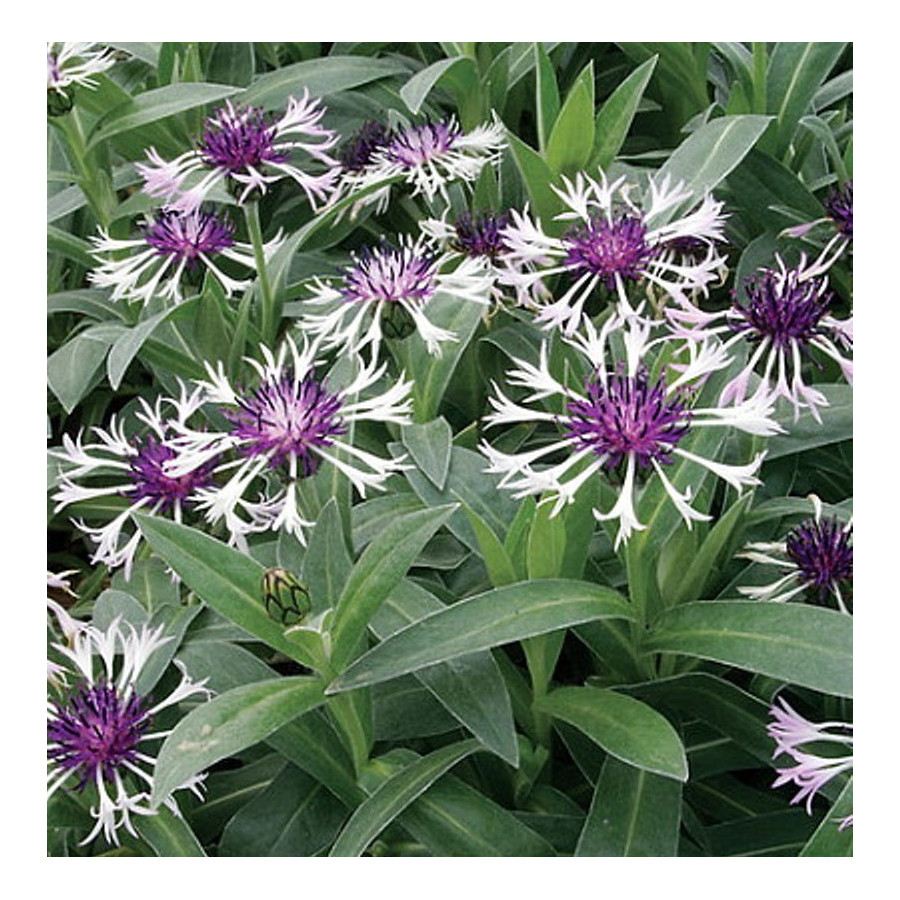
427, 157
615, 245
98, 725
171, 247
816, 557
624, 424
387, 291
793, 735
785, 317
281, 431
133, 468
249, 150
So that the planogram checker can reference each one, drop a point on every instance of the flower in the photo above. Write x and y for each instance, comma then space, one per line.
280, 432
172, 244
786, 315
623, 421
427, 156
242, 146
97, 726
356, 153
611, 244
387, 290
132, 468
817, 556
792, 733
74, 62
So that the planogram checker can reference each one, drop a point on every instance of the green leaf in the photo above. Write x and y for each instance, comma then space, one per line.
495, 617
827, 840
717, 549
613, 121
327, 564
86, 301
72, 369
309, 742
571, 141
128, 344
151, 106
712, 151
168, 834
321, 77
470, 687
458, 71
429, 446
804, 432
796, 72
624, 727
725, 707
499, 566
633, 813
395, 795
431, 373
292, 816
803, 645
546, 544
547, 99
382, 565
537, 177
228, 581
228, 724
781, 833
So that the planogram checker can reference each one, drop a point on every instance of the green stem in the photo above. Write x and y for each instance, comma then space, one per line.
94, 181
270, 312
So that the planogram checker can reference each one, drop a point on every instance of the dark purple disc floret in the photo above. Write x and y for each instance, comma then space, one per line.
839, 206
149, 480
823, 554
782, 308
357, 152
96, 731
629, 416
239, 138
287, 418
480, 235
607, 249
187, 236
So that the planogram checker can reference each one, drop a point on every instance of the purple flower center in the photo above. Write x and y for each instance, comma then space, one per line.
288, 418
608, 249
839, 205
150, 481
238, 138
96, 731
481, 235
188, 236
782, 308
421, 143
823, 553
629, 416
390, 274
356, 154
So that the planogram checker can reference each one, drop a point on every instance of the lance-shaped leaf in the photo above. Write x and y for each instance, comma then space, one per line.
168, 834
633, 813
377, 572
228, 724
486, 620
803, 645
624, 727
394, 795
